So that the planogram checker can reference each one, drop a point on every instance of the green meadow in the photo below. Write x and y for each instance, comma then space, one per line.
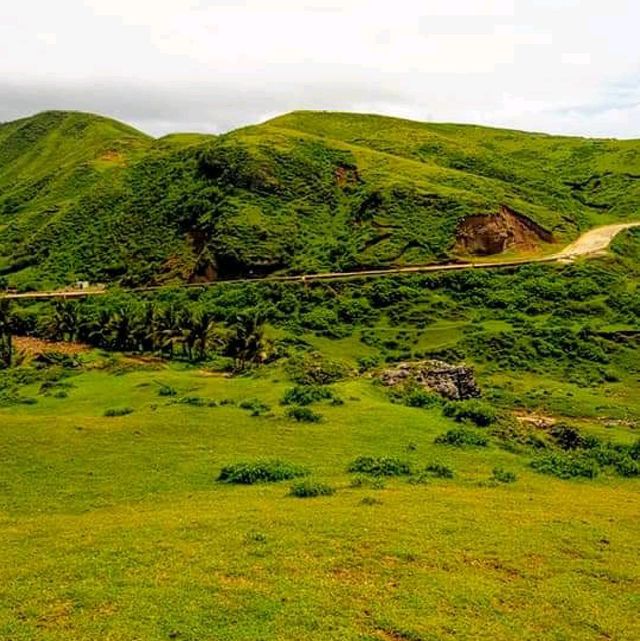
116, 528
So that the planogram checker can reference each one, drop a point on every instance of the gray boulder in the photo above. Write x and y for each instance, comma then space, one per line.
453, 382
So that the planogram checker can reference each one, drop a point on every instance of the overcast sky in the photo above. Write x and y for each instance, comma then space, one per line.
562, 66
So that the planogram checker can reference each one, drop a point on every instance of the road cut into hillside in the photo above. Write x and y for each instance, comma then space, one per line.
592, 242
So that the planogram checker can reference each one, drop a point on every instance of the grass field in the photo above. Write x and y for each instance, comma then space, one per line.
116, 529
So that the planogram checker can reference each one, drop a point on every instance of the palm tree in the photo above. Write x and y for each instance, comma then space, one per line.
167, 332
120, 329
247, 342
203, 334
98, 332
64, 324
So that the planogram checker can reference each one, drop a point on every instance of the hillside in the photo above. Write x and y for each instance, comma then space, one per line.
48, 163
248, 461
87, 197
303, 459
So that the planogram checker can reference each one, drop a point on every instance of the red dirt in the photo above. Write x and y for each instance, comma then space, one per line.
35, 346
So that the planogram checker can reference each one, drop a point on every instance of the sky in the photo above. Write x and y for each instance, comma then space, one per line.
559, 66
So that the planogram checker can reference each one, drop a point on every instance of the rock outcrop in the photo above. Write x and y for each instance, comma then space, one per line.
485, 235
453, 382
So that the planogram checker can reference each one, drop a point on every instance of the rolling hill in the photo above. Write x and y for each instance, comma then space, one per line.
83, 196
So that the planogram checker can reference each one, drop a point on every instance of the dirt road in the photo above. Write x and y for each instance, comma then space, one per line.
592, 242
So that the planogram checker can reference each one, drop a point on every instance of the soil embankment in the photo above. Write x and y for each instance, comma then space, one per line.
487, 235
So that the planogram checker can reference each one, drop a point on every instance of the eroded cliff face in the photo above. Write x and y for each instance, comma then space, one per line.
485, 235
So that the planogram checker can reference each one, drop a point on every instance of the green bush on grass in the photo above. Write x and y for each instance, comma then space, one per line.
261, 471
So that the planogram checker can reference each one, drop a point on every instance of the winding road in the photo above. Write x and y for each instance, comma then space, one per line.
593, 242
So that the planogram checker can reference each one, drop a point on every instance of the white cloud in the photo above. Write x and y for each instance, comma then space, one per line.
535, 64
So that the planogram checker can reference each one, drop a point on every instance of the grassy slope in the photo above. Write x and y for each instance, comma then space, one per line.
47, 163
304, 192
523, 164
143, 544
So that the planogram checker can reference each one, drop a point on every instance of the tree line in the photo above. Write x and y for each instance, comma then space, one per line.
190, 332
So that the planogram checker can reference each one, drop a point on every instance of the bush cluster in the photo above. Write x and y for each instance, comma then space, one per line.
421, 398
566, 465
462, 437
307, 394
315, 369
118, 411
438, 470
380, 466
255, 406
474, 410
500, 475
304, 415
262, 471
311, 489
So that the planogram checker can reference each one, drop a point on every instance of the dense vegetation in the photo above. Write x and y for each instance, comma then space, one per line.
83, 197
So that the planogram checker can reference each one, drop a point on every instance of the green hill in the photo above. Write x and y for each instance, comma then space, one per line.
86, 197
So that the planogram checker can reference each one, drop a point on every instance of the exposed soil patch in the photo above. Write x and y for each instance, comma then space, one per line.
35, 346
347, 176
486, 235
539, 421
112, 156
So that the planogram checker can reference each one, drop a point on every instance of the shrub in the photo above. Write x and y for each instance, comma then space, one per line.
118, 411
320, 319
314, 369
255, 406
380, 466
607, 454
304, 415
263, 471
421, 398
503, 476
167, 390
439, 471
310, 489
366, 363
370, 500
307, 394
55, 388
194, 401
626, 466
566, 465
566, 437
461, 437
478, 412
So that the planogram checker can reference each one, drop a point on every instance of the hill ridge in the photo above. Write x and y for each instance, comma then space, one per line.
83, 196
